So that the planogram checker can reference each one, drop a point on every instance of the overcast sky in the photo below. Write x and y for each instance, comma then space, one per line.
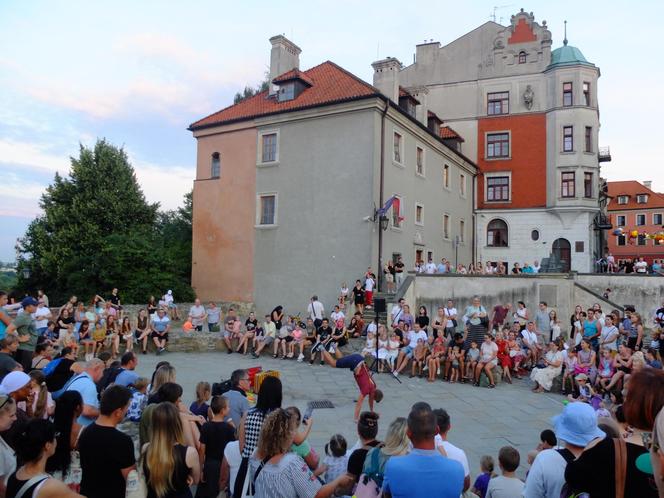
138, 73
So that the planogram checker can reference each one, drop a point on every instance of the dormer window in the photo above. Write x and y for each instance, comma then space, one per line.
287, 92
522, 57
623, 199
407, 102
291, 85
642, 199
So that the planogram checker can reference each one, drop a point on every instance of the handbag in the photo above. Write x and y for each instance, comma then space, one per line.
370, 483
136, 485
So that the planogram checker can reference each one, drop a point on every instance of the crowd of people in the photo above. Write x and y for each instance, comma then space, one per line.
479, 268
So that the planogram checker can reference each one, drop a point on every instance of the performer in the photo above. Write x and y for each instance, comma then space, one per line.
365, 382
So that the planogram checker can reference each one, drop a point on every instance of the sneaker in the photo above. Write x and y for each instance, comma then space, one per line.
395, 373
426, 367
300, 357
158, 351
254, 355
229, 351
333, 349
161, 350
322, 362
438, 372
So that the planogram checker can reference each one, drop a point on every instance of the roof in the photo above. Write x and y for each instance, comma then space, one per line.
568, 56
632, 188
447, 133
329, 84
293, 74
405, 93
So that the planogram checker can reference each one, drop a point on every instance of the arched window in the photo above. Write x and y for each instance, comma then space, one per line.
496, 233
522, 57
215, 167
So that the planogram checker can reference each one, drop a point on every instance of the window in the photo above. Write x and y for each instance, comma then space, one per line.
620, 220
657, 219
498, 103
397, 216
419, 168
269, 147
286, 92
621, 240
567, 185
267, 213
496, 234
641, 240
446, 176
498, 188
567, 94
397, 147
642, 199
215, 165
419, 209
446, 226
589, 139
588, 185
462, 230
522, 57
534, 235
462, 185
497, 145
429, 255
640, 220
586, 93
568, 138
623, 199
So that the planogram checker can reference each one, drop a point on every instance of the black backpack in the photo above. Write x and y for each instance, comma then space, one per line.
219, 388
109, 376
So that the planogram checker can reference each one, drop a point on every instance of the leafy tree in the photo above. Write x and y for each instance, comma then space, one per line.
251, 91
98, 232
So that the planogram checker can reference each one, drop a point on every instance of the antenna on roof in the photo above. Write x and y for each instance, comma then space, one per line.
565, 39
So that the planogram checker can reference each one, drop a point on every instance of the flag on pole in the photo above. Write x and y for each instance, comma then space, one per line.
393, 202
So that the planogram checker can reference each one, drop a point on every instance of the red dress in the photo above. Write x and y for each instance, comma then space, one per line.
504, 353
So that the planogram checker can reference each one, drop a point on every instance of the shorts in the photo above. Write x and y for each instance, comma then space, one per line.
227, 334
160, 337
364, 381
389, 278
351, 361
318, 322
288, 338
631, 342
137, 334
266, 339
408, 352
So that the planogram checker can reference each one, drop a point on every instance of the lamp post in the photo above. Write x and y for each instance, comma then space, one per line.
26, 273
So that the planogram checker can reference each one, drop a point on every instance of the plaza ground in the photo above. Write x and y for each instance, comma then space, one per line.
483, 420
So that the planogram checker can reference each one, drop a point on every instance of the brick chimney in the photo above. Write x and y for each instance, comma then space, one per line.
285, 55
386, 77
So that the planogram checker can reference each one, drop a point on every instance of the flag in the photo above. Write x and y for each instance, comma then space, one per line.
388, 205
396, 207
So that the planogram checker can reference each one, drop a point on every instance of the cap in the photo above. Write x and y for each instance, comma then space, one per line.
581, 376
14, 381
577, 424
29, 301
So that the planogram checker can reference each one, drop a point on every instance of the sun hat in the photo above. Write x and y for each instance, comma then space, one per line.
581, 376
577, 424
14, 381
29, 301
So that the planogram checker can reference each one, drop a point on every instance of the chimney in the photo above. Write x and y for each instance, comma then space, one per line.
285, 55
648, 184
422, 110
386, 77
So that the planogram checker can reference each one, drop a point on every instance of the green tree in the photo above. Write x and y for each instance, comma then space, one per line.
97, 232
250, 91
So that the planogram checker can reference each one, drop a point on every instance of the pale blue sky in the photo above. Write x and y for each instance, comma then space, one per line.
137, 73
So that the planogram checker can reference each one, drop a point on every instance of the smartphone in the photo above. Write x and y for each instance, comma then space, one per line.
307, 414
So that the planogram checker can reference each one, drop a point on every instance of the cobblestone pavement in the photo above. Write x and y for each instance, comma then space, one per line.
483, 420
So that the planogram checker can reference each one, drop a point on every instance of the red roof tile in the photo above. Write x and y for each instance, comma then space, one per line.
293, 74
447, 133
405, 93
632, 188
330, 84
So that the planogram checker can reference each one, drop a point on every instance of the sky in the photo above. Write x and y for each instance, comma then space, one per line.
138, 73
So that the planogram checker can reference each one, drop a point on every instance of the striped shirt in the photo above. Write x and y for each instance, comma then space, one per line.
288, 478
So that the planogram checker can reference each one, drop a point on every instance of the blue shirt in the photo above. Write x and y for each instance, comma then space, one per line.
441, 268
126, 378
423, 473
84, 384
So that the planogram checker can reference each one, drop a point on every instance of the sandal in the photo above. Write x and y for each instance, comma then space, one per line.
275, 356
491, 386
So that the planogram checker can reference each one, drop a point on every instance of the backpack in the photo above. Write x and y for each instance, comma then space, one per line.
371, 482
51, 366
219, 388
109, 376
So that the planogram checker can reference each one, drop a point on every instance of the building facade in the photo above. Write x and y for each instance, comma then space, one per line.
530, 120
288, 183
635, 207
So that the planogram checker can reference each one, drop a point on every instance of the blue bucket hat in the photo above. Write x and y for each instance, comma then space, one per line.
577, 424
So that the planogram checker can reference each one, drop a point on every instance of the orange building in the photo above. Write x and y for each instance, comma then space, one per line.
635, 207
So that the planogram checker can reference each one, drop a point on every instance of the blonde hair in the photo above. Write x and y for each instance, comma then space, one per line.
396, 440
165, 373
201, 389
38, 378
276, 434
141, 383
165, 432
638, 359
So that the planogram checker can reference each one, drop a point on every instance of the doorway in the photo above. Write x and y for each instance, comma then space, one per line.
562, 252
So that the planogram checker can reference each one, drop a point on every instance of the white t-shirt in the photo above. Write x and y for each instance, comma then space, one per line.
546, 476
372, 327
454, 453
316, 310
608, 332
234, 459
448, 313
197, 313
413, 337
168, 298
504, 487
430, 268
531, 337
39, 314
337, 315
488, 350
396, 312
641, 266
369, 284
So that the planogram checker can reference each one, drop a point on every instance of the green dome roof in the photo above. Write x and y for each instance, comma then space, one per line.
567, 56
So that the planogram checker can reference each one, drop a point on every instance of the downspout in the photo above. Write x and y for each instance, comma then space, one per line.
381, 200
474, 207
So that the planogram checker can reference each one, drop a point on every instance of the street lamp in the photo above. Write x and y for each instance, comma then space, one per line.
384, 222
26, 273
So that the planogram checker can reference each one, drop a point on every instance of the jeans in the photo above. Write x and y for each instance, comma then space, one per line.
399, 279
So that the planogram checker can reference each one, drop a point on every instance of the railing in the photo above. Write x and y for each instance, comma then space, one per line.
604, 154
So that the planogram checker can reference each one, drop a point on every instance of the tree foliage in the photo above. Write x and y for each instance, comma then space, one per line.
97, 231
250, 91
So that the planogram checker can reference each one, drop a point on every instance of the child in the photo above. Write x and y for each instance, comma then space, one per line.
653, 359
419, 356
139, 399
336, 459
67, 340
454, 356
51, 334
43, 405
370, 346
506, 485
548, 441
482, 481
203, 394
382, 349
585, 391
472, 357
437, 355
298, 340
301, 446
393, 350
605, 370
215, 435
99, 336
571, 361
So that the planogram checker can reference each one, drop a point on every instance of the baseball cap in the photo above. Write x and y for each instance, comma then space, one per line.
577, 424
581, 376
29, 301
14, 381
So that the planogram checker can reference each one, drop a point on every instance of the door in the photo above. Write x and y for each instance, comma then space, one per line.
562, 252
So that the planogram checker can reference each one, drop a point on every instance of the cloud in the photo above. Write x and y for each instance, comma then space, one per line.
32, 155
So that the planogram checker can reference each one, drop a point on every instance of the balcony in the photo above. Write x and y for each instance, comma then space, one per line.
604, 154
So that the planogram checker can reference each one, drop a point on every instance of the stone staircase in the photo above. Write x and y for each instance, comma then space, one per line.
370, 315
